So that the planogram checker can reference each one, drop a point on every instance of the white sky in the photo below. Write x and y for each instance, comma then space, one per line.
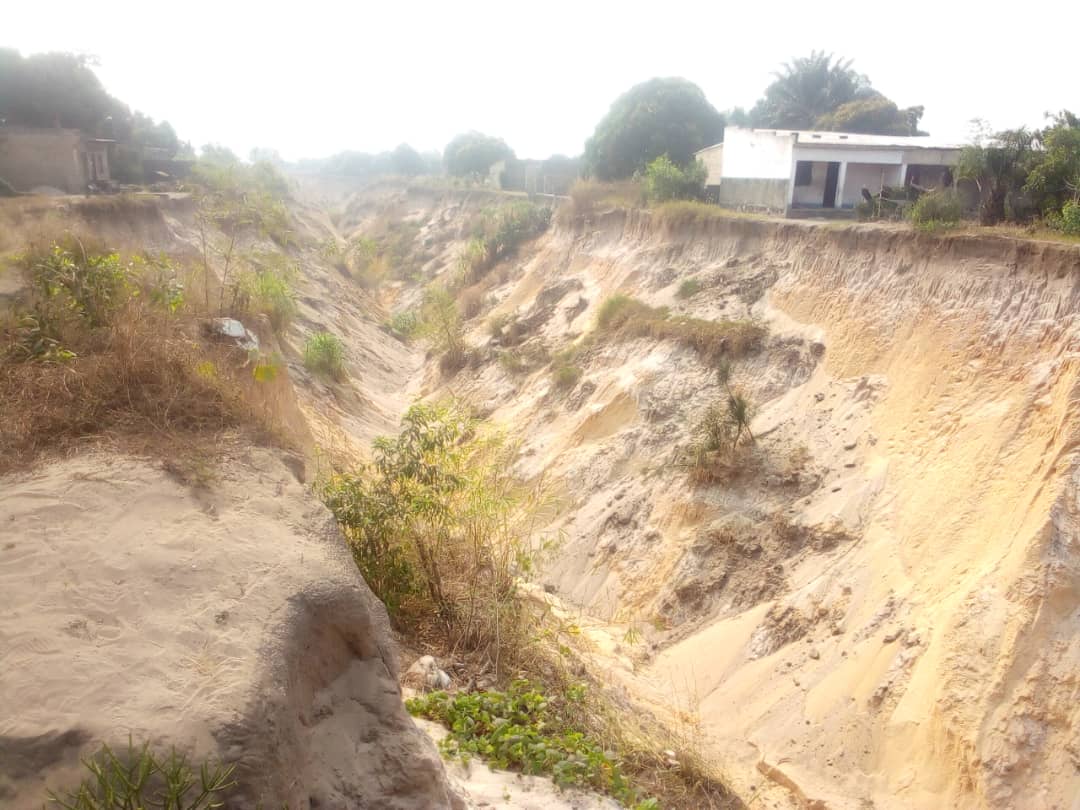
312, 78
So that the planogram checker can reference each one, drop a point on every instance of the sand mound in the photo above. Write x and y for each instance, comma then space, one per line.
229, 623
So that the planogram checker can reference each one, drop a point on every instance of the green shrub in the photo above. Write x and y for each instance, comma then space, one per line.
523, 729
140, 778
497, 234
442, 530
1070, 218
664, 180
91, 286
689, 288
941, 208
325, 354
441, 326
404, 325
566, 376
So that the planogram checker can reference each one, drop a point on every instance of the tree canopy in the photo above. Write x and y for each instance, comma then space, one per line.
407, 161
61, 90
821, 91
875, 115
474, 153
662, 116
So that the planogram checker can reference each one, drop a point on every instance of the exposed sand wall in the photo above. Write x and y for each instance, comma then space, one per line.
898, 619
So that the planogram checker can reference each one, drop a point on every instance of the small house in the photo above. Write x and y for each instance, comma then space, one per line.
802, 172
63, 159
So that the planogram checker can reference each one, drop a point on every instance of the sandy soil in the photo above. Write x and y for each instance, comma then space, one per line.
228, 622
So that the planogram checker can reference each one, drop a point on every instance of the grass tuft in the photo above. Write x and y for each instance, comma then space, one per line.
325, 354
138, 778
689, 288
625, 318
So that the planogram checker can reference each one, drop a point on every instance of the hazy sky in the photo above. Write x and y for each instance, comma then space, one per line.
311, 78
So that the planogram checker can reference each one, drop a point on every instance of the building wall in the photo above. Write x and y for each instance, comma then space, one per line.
932, 157
713, 158
849, 154
813, 194
753, 191
870, 175
758, 155
42, 157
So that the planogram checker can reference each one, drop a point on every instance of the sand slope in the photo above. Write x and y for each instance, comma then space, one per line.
230, 623
883, 610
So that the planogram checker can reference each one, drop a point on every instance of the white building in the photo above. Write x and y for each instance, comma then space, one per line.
801, 171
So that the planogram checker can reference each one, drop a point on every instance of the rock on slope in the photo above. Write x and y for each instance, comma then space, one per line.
230, 623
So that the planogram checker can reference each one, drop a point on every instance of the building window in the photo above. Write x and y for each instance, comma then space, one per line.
804, 172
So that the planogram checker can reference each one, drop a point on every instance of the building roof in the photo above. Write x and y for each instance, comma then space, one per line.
809, 137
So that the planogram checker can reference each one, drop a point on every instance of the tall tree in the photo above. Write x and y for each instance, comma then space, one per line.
807, 88
663, 116
999, 167
407, 161
474, 153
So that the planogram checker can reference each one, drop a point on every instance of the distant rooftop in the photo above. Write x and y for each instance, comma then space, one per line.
809, 137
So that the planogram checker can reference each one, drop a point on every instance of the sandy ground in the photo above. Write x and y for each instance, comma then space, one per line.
228, 622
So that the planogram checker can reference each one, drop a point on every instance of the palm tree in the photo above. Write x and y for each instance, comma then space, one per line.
807, 88
739, 414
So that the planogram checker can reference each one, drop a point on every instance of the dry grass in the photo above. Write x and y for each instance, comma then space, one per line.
626, 318
688, 213
589, 197
144, 380
471, 300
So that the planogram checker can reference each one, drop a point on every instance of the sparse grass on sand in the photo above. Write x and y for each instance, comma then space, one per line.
623, 317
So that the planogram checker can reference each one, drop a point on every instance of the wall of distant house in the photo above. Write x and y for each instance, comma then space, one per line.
754, 192
713, 159
42, 157
759, 155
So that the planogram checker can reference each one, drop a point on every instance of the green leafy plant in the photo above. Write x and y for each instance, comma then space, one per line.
1070, 218
91, 286
523, 729
140, 778
325, 354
